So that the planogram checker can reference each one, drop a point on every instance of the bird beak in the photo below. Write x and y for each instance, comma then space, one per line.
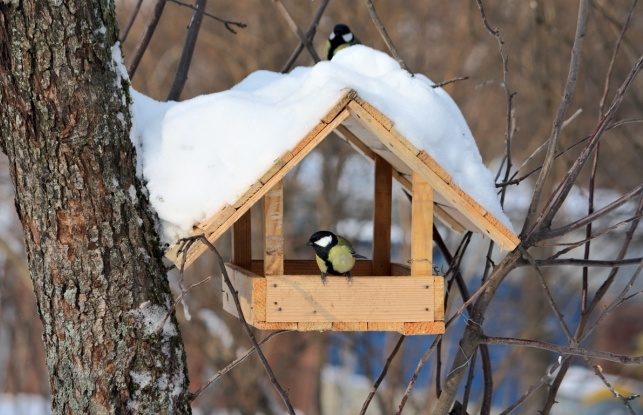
309, 243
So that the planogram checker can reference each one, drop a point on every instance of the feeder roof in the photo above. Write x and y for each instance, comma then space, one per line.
207, 160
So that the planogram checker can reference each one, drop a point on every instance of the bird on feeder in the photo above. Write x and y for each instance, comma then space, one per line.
334, 254
340, 38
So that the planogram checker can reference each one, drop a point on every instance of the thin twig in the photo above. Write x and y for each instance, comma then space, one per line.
598, 370
382, 375
227, 23
450, 81
193, 396
546, 378
303, 39
593, 216
581, 262
550, 298
275, 383
147, 36
188, 49
568, 93
310, 34
131, 20
416, 373
387, 39
564, 350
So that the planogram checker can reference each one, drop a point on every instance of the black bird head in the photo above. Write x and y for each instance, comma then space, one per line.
340, 37
322, 241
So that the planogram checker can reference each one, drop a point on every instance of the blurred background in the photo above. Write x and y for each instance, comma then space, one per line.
331, 373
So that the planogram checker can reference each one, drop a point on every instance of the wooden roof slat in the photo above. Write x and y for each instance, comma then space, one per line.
457, 198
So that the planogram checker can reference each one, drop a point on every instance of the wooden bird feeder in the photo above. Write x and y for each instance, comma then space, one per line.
276, 293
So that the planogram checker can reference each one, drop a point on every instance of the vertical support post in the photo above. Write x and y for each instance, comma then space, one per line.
382, 217
242, 241
273, 255
421, 227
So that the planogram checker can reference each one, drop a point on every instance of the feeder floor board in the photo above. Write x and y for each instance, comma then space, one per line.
407, 304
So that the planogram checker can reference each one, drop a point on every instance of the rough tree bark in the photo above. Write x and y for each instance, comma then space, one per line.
92, 248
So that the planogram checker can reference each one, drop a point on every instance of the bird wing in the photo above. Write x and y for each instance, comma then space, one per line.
343, 241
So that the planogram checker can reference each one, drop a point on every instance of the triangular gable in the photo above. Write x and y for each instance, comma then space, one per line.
370, 132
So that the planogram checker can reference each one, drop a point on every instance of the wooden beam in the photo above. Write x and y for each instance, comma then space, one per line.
420, 163
421, 227
273, 255
242, 241
363, 267
383, 298
382, 201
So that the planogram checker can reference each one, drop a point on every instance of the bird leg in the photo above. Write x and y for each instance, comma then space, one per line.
323, 278
349, 277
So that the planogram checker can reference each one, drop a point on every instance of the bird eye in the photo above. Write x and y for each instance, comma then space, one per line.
331, 36
347, 37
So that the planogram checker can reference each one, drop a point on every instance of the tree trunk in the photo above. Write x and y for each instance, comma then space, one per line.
93, 253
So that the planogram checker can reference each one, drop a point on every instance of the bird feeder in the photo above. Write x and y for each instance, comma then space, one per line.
278, 293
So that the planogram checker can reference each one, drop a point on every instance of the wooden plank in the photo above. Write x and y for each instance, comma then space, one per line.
400, 270
249, 288
344, 326
217, 219
375, 113
273, 255
304, 298
242, 241
314, 326
382, 201
339, 106
433, 165
409, 154
421, 227
438, 300
367, 152
419, 328
447, 219
281, 162
385, 326
262, 325
247, 194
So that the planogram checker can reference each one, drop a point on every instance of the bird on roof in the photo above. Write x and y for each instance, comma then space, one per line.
334, 254
340, 38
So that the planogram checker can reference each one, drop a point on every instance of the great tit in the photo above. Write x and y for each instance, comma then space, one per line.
333, 253
339, 38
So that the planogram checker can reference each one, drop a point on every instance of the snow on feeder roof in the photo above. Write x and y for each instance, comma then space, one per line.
206, 160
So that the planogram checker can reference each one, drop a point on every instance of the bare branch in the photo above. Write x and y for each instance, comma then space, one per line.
582, 262
550, 298
533, 388
188, 49
382, 375
233, 364
450, 81
416, 373
592, 217
625, 399
131, 20
387, 39
282, 393
303, 39
564, 350
227, 23
310, 34
147, 36
570, 86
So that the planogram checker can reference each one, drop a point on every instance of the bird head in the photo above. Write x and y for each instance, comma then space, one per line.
322, 240
339, 38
